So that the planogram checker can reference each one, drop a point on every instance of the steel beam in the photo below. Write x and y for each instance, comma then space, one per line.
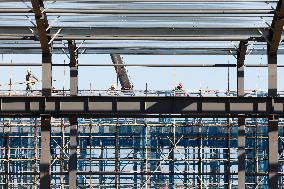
133, 33
112, 106
142, 50
276, 29
142, 12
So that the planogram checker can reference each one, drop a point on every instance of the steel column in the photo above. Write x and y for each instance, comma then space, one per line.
73, 153
172, 158
45, 156
276, 29
241, 121
273, 151
43, 35
73, 68
240, 66
272, 123
241, 154
73, 120
272, 75
272, 50
117, 155
46, 46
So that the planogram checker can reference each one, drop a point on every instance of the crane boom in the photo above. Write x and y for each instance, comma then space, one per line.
121, 72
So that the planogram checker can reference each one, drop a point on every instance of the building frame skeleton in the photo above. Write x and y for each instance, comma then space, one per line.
112, 141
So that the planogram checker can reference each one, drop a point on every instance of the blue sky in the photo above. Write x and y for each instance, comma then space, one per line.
157, 78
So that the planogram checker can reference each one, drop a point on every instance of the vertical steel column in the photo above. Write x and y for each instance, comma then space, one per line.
43, 32
241, 154
241, 121
73, 68
272, 122
73, 120
62, 151
200, 155
45, 155
272, 75
101, 162
117, 156
172, 158
46, 74
275, 34
73, 153
136, 145
241, 69
145, 165
273, 151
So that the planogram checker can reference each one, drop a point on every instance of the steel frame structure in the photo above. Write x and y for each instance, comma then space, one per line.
89, 141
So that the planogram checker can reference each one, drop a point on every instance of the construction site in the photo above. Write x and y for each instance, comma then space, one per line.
61, 127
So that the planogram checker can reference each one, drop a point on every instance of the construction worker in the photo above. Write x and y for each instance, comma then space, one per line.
179, 87
179, 90
113, 87
112, 90
30, 80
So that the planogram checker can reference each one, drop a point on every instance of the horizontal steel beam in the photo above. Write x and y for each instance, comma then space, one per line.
114, 106
168, 1
136, 51
155, 33
24, 64
79, 11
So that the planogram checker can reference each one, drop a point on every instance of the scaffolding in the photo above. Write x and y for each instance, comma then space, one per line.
139, 153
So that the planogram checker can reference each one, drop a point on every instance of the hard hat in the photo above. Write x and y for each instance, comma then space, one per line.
113, 85
180, 85
29, 70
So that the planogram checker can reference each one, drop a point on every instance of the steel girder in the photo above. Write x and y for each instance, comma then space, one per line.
113, 106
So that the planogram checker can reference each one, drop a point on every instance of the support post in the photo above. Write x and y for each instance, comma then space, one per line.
73, 120
44, 37
241, 154
73, 68
272, 124
274, 38
272, 75
241, 121
73, 153
117, 156
273, 151
43, 32
45, 155
275, 34
272, 49
172, 158
241, 69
